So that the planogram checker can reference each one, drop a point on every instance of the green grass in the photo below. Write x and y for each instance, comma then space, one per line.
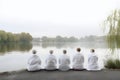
113, 64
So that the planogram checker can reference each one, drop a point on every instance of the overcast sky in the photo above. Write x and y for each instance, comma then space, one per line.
55, 17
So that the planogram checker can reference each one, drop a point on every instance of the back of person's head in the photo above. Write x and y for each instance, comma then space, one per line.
92, 50
78, 49
64, 51
51, 51
34, 51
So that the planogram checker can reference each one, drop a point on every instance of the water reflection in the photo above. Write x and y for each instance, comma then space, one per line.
8, 47
4, 48
59, 45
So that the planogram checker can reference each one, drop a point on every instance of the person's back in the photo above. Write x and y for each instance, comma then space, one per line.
34, 62
64, 62
93, 61
78, 60
51, 62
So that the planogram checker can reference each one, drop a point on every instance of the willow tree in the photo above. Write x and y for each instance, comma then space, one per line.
112, 26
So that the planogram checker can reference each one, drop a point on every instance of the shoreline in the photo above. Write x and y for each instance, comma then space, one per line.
22, 70
106, 74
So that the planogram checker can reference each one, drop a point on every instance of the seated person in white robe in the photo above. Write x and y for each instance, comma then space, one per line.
51, 62
93, 61
34, 62
64, 62
78, 60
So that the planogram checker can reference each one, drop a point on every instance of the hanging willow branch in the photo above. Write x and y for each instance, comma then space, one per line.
112, 25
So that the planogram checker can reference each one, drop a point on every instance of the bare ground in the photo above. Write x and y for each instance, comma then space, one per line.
59, 75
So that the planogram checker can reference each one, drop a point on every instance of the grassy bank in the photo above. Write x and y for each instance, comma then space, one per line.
113, 64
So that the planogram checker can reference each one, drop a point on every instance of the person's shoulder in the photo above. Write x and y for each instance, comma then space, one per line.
36, 56
53, 56
95, 54
67, 56
90, 54
79, 54
76, 54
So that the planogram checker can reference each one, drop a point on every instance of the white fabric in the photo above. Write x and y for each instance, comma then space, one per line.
64, 62
92, 62
78, 61
51, 62
34, 63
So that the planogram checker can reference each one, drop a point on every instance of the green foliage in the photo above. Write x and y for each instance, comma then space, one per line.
3, 36
112, 24
10, 37
24, 37
113, 64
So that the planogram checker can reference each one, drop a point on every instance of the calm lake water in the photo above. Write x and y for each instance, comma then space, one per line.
14, 57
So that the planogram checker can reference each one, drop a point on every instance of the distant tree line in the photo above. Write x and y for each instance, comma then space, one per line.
6, 37
58, 39
93, 38
90, 38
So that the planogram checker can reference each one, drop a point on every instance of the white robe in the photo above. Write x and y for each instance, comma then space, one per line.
34, 63
93, 62
51, 62
78, 61
64, 62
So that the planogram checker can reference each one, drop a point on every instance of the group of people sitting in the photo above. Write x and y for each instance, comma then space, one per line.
34, 62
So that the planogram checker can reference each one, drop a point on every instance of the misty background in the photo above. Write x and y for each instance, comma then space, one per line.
55, 17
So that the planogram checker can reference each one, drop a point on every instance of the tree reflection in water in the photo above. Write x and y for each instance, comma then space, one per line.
8, 47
